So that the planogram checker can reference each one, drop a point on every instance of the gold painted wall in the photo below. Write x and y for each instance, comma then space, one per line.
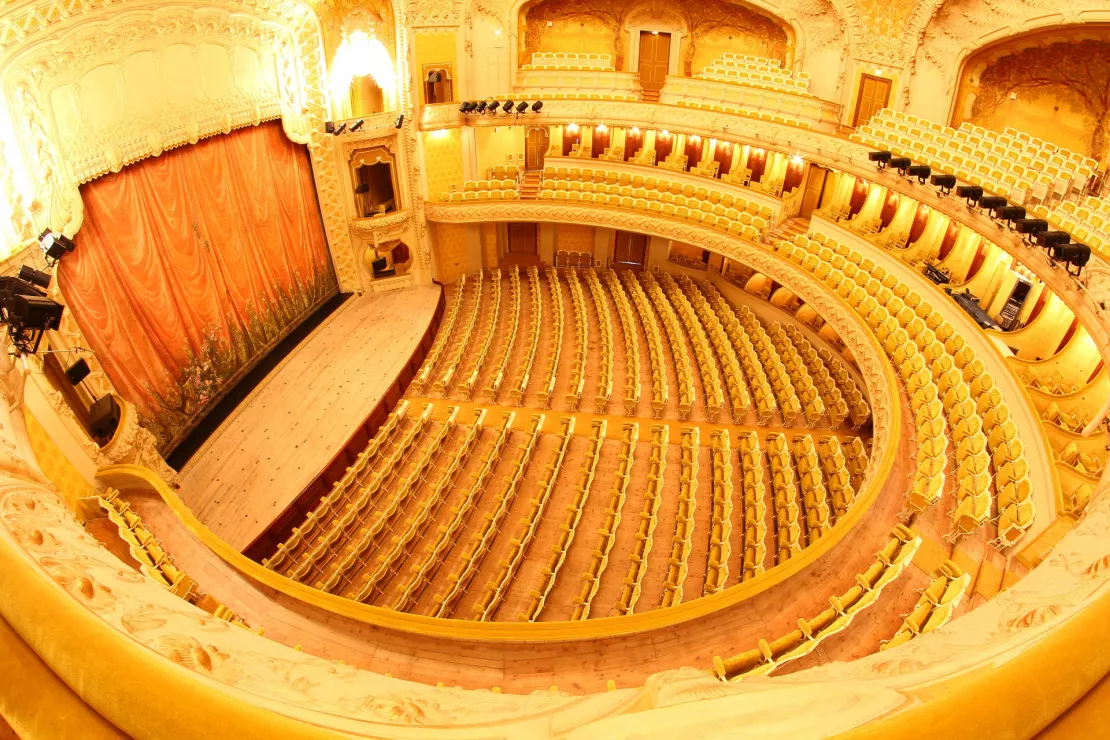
1054, 85
55, 465
449, 243
491, 255
496, 144
714, 44
574, 238
442, 160
434, 48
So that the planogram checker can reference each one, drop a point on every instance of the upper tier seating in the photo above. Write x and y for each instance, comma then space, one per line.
755, 72
1012, 165
474, 190
1088, 222
569, 61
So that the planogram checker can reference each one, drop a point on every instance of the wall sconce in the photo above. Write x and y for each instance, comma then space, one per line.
361, 54
635, 130
695, 138
572, 127
796, 159
602, 128
665, 134
439, 133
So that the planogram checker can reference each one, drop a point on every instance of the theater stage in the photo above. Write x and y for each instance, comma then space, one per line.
303, 412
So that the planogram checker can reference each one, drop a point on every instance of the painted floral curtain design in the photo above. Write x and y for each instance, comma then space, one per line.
191, 266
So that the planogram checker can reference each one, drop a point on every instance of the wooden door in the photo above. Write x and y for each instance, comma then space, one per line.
629, 249
523, 241
815, 185
874, 93
535, 147
655, 59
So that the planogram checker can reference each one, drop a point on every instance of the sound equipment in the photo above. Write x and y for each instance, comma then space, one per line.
991, 202
943, 181
1010, 311
104, 416
969, 303
77, 372
971, 192
1051, 238
882, 157
934, 274
1030, 225
1011, 213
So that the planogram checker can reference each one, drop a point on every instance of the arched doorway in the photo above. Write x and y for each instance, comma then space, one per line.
535, 146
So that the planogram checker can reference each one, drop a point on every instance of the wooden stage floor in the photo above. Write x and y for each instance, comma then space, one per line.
296, 420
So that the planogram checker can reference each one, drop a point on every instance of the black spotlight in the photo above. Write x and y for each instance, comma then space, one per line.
972, 193
536, 106
1051, 238
357, 124
55, 245
481, 107
34, 277
1076, 255
329, 127
521, 106
900, 163
944, 182
28, 313
508, 107
1030, 226
920, 171
465, 107
881, 159
1011, 213
400, 121
992, 202
340, 128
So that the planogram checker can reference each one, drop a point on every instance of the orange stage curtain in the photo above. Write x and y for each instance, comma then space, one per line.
191, 266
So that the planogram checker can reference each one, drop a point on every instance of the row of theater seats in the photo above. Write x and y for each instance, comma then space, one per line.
569, 60
720, 522
712, 390
682, 541
935, 606
1084, 462
953, 399
555, 332
424, 378
1022, 171
581, 322
789, 107
789, 406
646, 157
532, 342
739, 400
605, 328
754, 491
683, 370
607, 532
767, 657
157, 564
724, 217
578, 89
1088, 222
645, 527
475, 190
755, 72
660, 389
784, 489
813, 406
497, 586
631, 346
459, 580
501, 360
503, 172
444, 375
468, 384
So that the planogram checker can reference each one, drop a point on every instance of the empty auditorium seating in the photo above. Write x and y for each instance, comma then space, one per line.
483, 190
683, 369
501, 363
938, 600
754, 72
555, 339
531, 341
581, 345
631, 345
681, 542
569, 60
424, 376
720, 548
645, 531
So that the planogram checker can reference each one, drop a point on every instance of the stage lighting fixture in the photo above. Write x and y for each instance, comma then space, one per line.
508, 107
1076, 255
35, 277
400, 121
1030, 225
944, 183
28, 313
920, 171
466, 107
971, 193
522, 106
54, 245
881, 159
340, 128
1011, 213
357, 124
329, 127
992, 202
536, 106
481, 107
900, 163
1051, 238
